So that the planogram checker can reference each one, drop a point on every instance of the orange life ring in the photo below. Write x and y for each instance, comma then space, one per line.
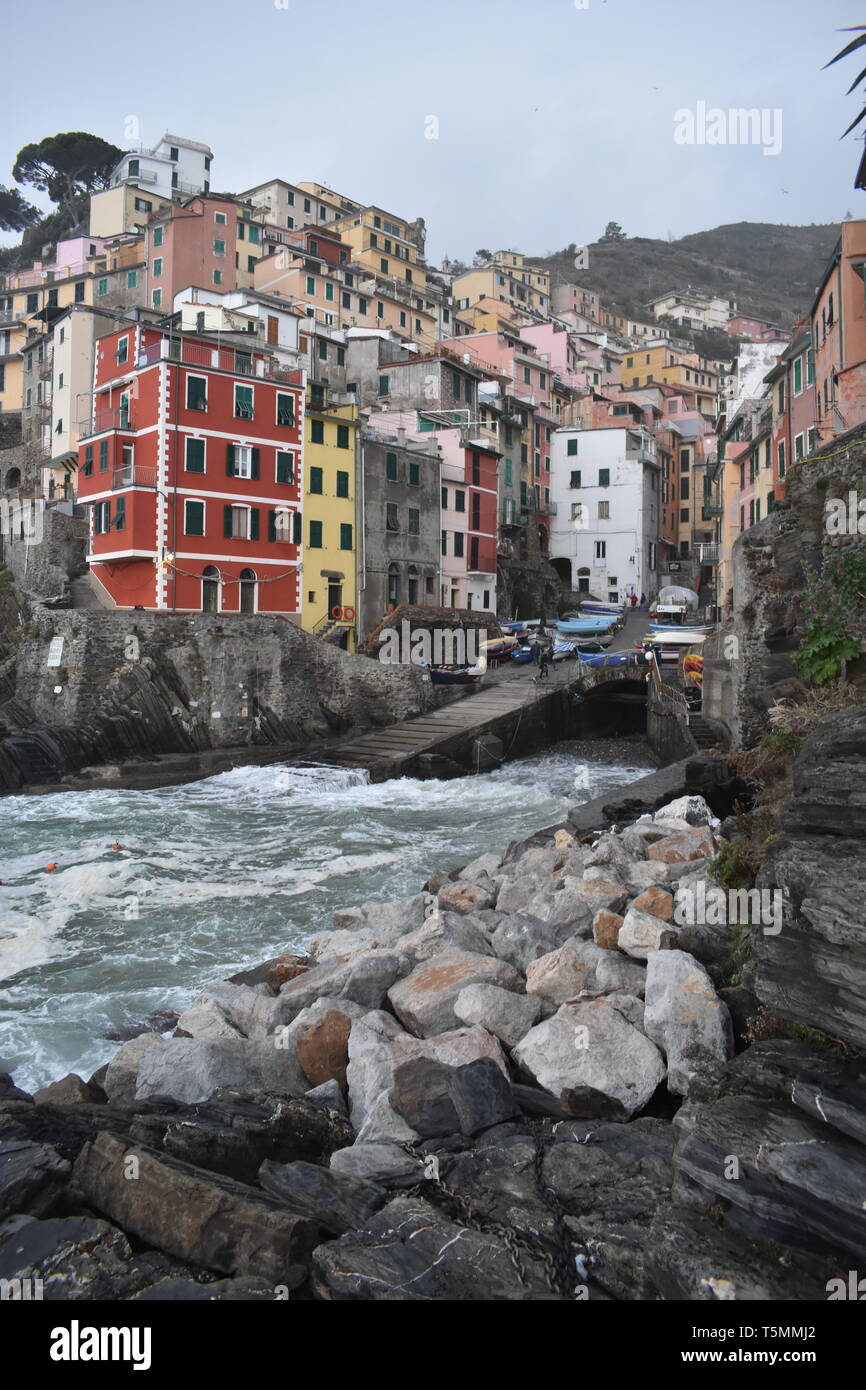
336, 612
349, 615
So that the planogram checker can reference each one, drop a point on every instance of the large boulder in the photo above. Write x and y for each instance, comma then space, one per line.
641, 934
685, 1017
508, 1016
424, 1000
592, 1059
520, 938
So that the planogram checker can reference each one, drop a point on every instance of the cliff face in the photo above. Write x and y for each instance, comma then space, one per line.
124, 685
742, 681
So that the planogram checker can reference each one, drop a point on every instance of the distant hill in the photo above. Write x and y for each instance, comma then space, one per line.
771, 271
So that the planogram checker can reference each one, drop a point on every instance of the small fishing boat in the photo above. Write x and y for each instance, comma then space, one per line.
454, 675
499, 648
522, 654
563, 651
590, 606
603, 659
584, 626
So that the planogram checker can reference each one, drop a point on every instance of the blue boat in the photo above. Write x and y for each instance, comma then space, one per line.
591, 607
602, 659
584, 626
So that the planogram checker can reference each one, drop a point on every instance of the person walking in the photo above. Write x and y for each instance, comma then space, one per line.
633, 602
643, 600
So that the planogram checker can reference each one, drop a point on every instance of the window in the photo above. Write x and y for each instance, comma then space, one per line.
414, 474
342, 484
812, 436
120, 514
601, 550
342, 436
156, 298
684, 489
243, 402
391, 467
444, 497
684, 513
572, 446
158, 236
311, 285
380, 309
575, 478
459, 500
346, 300
196, 393
414, 521
143, 205
810, 367
88, 461
317, 432
157, 267
79, 292
131, 279
193, 518
285, 468
384, 385
132, 169
217, 277
122, 349
444, 543
241, 523
173, 153
103, 455
345, 535
316, 480
285, 409
391, 521
604, 511
307, 205
798, 376
363, 304
60, 382
604, 477
254, 236
194, 456
798, 446
455, 384
458, 543
101, 288
509, 473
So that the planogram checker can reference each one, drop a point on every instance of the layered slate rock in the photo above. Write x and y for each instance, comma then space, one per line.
194, 1215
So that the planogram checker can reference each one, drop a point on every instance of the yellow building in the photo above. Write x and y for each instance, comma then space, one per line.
506, 278
647, 366
122, 209
380, 243
329, 577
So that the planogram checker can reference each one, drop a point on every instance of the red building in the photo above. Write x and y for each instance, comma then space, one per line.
192, 464
481, 518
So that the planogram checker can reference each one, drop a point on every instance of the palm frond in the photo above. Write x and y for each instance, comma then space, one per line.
849, 48
854, 123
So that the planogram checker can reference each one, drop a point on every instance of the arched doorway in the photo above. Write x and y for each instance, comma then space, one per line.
249, 591
583, 580
210, 589
13, 478
563, 569
413, 584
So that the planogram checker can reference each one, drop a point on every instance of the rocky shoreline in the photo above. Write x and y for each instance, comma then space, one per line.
532, 1079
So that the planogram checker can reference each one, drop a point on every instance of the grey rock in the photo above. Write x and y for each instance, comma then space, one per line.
189, 1070
76, 1258
32, 1177
378, 1163
588, 1054
122, 1074
485, 866
424, 1000
642, 935
685, 1017
508, 1016
388, 921
364, 978
482, 1096
70, 1090
329, 1096
422, 1095
520, 938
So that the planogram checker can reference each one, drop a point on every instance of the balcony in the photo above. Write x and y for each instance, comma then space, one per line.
103, 420
709, 554
133, 475
551, 508
709, 511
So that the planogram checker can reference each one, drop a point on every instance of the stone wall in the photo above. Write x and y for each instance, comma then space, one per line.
43, 567
768, 576
133, 684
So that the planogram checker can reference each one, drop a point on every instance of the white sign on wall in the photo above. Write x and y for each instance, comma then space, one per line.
55, 652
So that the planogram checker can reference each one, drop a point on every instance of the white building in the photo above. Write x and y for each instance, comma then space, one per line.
174, 168
604, 537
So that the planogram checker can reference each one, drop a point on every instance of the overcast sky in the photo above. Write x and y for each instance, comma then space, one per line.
552, 119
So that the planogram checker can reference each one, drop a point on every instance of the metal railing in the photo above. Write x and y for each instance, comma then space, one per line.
709, 553
103, 420
133, 475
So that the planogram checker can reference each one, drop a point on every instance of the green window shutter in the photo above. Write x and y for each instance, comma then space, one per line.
297, 534
227, 521
195, 455
384, 383
88, 460
317, 432
285, 468
254, 523
315, 535
509, 472
458, 543
342, 484
311, 285
604, 477
572, 446
120, 514
391, 467
254, 464
329, 290
194, 519
575, 478
230, 461
415, 474
316, 477
345, 536
103, 455
342, 436
459, 500
272, 524
444, 497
